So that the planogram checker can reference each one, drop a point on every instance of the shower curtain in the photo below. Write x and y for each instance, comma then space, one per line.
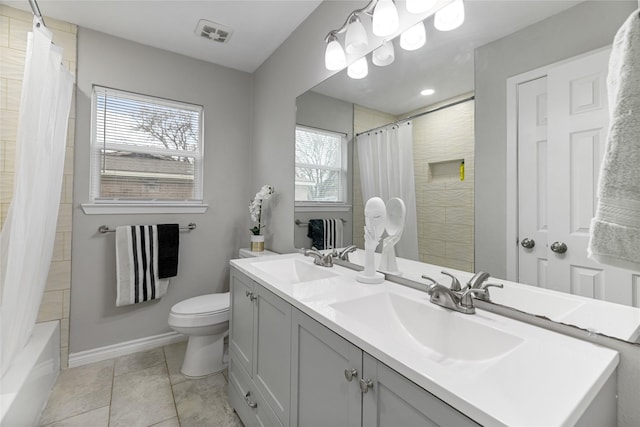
28, 234
386, 171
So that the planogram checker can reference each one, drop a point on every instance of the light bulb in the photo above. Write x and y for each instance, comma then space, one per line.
334, 57
419, 6
385, 18
449, 17
359, 69
384, 55
427, 92
356, 40
414, 38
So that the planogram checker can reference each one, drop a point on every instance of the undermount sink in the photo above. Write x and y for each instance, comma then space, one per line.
292, 270
452, 336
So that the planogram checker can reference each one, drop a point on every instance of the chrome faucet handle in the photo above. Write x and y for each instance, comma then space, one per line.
344, 254
455, 283
431, 285
478, 279
485, 287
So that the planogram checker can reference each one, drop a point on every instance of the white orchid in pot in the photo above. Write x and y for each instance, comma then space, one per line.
255, 209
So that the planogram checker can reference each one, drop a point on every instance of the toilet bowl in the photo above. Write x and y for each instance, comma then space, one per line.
205, 320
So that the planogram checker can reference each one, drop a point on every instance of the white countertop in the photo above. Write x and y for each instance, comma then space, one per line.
596, 316
547, 379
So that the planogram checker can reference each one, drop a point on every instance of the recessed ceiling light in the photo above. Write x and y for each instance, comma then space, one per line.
427, 92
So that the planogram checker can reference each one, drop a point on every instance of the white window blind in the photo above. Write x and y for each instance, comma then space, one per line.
320, 166
145, 149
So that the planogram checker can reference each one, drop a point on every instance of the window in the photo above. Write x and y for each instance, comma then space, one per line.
145, 150
321, 171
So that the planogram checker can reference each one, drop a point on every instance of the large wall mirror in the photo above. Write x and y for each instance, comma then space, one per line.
343, 110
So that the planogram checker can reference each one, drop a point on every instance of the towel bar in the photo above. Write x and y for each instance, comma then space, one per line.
105, 228
304, 224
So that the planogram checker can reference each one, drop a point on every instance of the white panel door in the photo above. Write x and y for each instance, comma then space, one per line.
578, 123
532, 167
576, 131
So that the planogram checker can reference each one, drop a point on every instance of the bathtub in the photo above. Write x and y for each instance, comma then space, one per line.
25, 388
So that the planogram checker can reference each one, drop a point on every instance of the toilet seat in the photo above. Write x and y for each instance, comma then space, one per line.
203, 304
202, 310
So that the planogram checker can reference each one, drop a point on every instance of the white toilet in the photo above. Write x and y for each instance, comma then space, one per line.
205, 320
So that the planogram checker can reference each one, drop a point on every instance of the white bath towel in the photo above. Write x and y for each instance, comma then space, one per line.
615, 230
137, 265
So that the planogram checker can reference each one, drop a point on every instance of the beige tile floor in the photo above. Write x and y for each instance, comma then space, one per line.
142, 389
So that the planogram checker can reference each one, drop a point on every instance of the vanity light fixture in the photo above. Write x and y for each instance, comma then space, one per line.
384, 55
449, 17
414, 38
356, 40
385, 22
385, 18
427, 92
334, 56
359, 69
419, 6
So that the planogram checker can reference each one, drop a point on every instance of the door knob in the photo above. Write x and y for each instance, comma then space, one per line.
528, 243
349, 374
559, 247
365, 385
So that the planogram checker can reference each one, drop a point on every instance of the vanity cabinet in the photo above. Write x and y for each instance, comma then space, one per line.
260, 351
375, 395
286, 369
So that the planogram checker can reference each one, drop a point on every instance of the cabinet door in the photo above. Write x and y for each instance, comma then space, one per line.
321, 395
393, 400
241, 319
248, 402
272, 344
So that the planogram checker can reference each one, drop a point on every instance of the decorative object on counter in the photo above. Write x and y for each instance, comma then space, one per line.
615, 230
146, 255
255, 209
396, 214
325, 233
375, 215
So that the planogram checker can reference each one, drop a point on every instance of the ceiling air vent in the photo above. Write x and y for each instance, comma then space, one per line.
213, 31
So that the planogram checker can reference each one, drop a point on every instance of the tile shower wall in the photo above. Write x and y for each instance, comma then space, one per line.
444, 203
14, 25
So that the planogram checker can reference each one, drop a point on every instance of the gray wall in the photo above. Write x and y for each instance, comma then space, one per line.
323, 112
205, 252
295, 67
583, 28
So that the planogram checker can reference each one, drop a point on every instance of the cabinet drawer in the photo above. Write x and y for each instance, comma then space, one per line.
243, 395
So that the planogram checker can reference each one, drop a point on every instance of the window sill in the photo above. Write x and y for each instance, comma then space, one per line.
132, 209
317, 207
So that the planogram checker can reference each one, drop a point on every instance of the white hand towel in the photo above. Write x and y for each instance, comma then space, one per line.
615, 230
137, 265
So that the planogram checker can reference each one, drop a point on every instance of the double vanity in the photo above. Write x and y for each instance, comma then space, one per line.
311, 346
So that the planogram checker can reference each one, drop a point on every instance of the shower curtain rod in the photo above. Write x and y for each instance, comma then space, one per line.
424, 113
36, 11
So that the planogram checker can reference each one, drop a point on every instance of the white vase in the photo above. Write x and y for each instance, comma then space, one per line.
257, 243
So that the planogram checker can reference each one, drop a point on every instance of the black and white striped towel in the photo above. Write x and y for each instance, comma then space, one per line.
325, 233
137, 265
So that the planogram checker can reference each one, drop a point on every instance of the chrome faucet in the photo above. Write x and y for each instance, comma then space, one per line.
459, 299
319, 258
344, 254
479, 281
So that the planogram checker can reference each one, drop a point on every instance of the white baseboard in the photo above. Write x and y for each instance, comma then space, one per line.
123, 348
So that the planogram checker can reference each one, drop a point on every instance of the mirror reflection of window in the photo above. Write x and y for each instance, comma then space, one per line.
321, 166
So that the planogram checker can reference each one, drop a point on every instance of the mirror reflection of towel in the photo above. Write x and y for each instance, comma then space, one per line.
325, 233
